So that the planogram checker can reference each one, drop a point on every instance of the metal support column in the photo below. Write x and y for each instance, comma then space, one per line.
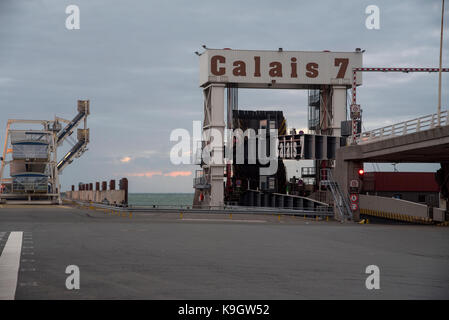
338, 108
213, 136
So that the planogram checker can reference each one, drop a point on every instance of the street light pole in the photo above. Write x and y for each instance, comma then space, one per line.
439, 72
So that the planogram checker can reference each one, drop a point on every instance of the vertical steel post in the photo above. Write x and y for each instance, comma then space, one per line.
440, 69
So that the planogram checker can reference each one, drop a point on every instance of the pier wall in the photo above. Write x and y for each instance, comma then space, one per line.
109, 196
101, 193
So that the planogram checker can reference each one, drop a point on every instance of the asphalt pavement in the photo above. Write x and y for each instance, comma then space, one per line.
169, 256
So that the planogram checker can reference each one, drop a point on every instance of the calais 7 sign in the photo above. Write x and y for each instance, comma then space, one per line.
279, 69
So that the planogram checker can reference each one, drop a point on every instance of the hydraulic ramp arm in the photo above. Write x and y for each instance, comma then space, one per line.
83, 112
82, 134
77, 150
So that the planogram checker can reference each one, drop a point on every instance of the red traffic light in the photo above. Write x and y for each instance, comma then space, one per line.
361, 172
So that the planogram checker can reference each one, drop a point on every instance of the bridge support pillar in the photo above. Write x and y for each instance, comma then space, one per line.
338, 108
442, 178
344, 172
213, 136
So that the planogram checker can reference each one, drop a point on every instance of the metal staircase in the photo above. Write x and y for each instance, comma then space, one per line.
341, 200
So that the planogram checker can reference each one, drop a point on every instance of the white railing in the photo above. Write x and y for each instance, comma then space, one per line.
200, 179
402, 128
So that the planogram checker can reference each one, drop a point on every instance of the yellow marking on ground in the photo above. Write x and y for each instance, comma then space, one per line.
396, 216
32, 206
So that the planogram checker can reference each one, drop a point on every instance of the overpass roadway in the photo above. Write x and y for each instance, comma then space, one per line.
424, 146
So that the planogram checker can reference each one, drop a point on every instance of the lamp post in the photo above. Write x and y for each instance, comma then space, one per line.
439, 72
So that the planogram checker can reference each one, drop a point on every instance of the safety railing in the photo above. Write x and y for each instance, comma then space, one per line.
226, 209
340, 197
402, 128
308, 171
200, 180
30, 184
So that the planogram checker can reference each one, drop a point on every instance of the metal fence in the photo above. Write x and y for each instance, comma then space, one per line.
308, 212
30, 184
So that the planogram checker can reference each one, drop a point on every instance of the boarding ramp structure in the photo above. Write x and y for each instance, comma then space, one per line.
229, 69
32, 157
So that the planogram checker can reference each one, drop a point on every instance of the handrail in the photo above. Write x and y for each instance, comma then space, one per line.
323, 212
402, 128
341, 198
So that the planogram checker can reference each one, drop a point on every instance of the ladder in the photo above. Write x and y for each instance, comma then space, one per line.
341, 201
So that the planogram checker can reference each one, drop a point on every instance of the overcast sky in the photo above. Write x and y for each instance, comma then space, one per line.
135, 61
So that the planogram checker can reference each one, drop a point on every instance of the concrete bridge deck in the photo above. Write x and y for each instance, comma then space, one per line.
423, 146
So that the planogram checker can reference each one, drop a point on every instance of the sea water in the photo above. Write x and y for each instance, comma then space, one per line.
161, 199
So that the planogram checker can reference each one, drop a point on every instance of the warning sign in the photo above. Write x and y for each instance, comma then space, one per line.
354, 197
354, 184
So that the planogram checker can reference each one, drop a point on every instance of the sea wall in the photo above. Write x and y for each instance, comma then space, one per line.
101, 194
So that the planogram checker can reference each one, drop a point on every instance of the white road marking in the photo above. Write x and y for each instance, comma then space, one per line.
28, 284
223, 220
9, 266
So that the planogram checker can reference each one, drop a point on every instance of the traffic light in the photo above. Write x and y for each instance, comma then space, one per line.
361, 172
